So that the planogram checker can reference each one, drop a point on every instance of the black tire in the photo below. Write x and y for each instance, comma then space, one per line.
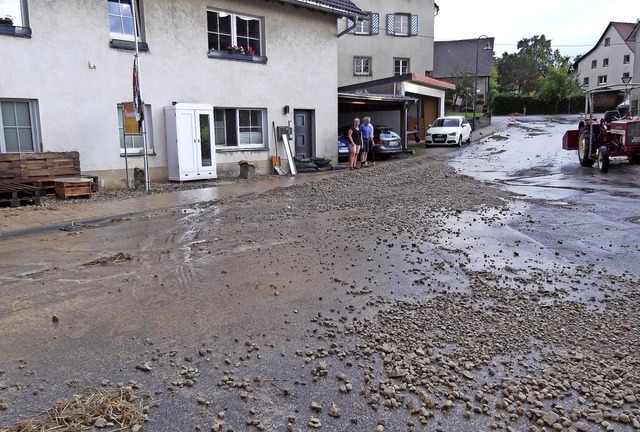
460, 141
603, 159
584, 155
468, 141
635, 159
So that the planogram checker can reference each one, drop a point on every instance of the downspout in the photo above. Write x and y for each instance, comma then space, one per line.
352, 26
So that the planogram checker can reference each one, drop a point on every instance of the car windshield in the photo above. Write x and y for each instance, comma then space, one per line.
445, 122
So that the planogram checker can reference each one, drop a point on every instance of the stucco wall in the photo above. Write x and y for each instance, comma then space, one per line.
77, 105
615, 52
384, 48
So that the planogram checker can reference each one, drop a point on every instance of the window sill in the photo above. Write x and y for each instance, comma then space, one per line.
128, 45
137, 154
237, 56
239, 149
15, 31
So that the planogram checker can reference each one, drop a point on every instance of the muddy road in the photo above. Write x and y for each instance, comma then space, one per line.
406, 296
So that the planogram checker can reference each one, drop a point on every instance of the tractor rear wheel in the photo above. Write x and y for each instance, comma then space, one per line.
603, 159
584, 154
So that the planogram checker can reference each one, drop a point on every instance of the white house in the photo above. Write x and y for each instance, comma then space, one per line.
233, 68
608, 63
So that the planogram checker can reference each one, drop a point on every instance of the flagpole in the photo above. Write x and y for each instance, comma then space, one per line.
142, 125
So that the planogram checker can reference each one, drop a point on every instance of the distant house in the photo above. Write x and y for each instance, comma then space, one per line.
634, 89
468, 57
215, 78
607, 63
385, 63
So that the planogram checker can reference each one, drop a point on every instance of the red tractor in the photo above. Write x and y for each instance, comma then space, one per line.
599, 140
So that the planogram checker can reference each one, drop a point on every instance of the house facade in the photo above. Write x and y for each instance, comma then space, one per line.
385, 56
245, 63
606, 65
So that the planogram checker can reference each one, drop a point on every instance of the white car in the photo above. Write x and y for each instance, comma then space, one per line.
448, 130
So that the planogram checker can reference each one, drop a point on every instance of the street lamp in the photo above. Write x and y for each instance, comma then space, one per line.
626, 80
487, 46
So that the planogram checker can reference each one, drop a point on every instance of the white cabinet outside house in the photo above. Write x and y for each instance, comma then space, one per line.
190, 151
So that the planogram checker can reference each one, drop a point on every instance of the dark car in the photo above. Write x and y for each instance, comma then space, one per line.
385, 142
343, 148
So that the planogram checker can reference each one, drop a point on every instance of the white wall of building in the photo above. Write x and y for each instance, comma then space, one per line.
78, 104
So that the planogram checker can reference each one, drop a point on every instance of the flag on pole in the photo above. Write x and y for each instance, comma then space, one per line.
137, 99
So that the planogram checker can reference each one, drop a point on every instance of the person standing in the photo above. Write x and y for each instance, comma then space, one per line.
367, 142
354, 137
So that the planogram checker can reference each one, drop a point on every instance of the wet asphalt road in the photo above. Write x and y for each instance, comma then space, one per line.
258, 306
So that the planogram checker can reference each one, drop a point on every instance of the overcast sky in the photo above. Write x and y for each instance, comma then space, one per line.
573, 26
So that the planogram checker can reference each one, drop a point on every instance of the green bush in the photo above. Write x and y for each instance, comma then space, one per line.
508, 103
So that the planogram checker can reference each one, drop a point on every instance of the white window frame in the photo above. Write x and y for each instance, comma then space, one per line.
33, 127
607, 41
602, 80
363, 27
594, 64
605, 62
585, 82
626, 59
399, 66
258, 46
135, 142
362, 66
241, 132
123, 35
18, 11
402, 24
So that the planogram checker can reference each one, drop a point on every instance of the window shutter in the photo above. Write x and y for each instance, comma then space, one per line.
391, 24
414, 25
351, 24
375, 24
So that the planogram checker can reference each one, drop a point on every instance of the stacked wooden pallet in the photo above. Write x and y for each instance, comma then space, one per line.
17, 194
42, 169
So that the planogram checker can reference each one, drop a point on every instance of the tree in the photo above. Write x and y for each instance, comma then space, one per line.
465, 83
558, 86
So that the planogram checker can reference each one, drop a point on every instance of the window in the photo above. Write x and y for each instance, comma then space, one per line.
402, 24
605, 62
363, 27
594, 64
135, 143
626, 59
400, 66
362, 66
230, 30
19, 126
585, 82
239, 127
625, 75
602, 80
607, 41
366, 27
14, 18
122, 31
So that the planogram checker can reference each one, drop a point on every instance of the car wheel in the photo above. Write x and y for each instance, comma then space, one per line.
469, 139
460, 140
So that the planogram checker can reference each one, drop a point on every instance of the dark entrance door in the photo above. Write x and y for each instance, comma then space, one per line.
303, 133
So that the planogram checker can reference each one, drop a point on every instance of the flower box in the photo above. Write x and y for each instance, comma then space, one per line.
237, 56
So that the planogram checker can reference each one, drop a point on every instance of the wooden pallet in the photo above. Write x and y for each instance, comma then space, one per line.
73, 187
43, 168
17, 194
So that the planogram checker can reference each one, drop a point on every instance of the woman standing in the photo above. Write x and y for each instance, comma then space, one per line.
354, 136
